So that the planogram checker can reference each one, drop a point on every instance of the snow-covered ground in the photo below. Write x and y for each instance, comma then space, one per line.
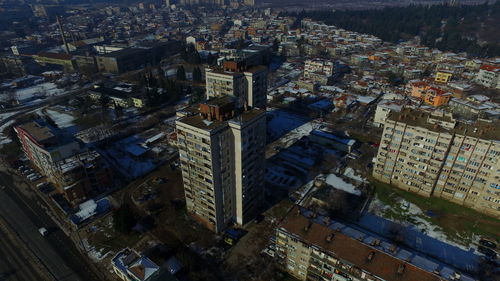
62, 120
350, 173
28, 95
339, 183
3, 138
47, 89
4, 116
414, 216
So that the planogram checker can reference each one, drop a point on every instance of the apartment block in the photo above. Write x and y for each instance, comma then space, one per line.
43, 147
222, 150
318, 66
311, 247
248, 85
76, 175
432, 154
489, 76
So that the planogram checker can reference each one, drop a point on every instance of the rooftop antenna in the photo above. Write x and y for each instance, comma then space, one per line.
62, 34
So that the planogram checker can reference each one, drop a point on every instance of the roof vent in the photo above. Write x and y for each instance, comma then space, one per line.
326, 220
401, 269
307, 227
375, 242
393, 248
370, 256
329, 237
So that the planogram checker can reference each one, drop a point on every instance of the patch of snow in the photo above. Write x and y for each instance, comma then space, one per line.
417, 217
3, 138
62, 120
350, 173
339, 183
93, 253
40, 90
4, 116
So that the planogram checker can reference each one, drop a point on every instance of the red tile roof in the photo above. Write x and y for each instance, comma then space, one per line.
356, 252
490, 68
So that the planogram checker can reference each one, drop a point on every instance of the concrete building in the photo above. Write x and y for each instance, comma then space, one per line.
384, 107
43, 147
248, 85
222, 152
489, 76
433, 154
311, 247
75, 175
318, 66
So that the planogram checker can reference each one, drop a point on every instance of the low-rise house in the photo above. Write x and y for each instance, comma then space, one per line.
443, 76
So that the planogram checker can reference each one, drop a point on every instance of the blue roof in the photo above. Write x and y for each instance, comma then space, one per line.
135, 149
333, 137
324, 104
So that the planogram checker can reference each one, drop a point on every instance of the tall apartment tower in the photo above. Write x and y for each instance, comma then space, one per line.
433, 154
222, 154
248, 85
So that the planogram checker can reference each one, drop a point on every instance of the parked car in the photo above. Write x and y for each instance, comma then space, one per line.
43, 231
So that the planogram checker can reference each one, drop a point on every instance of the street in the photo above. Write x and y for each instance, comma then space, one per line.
55, 251
13, 264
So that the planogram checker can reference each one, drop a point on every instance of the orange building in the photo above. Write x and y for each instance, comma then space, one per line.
437, 97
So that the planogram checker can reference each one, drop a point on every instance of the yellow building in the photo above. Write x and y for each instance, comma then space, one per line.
443, 76
138, 102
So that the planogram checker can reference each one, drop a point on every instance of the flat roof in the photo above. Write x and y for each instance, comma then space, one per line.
200, 123
479, 129
38, 132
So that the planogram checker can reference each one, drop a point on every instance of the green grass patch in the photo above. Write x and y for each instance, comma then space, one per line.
457, 222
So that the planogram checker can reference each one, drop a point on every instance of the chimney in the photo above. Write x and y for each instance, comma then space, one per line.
401, 269
307, 227
370, 256
62, 34
329, 237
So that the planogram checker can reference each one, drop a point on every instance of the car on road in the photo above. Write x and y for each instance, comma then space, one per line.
43, 231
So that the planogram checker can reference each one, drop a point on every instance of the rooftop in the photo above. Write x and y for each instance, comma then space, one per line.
200, 123
371, 254
488, 130
38, 132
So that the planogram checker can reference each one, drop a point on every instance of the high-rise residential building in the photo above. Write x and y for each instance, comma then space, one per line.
222, 155
433, 154
248, 85
311, 247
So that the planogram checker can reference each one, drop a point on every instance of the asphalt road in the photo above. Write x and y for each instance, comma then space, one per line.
13, 265
56, 251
